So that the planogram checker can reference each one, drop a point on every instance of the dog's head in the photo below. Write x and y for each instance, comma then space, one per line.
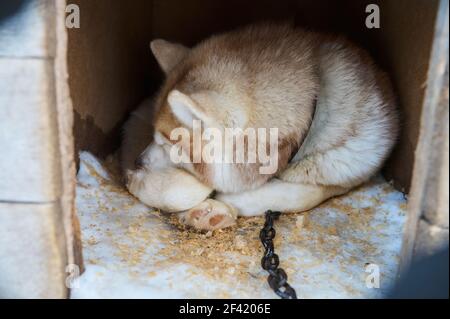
204, 92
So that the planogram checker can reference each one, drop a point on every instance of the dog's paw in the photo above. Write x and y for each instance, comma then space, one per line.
209, 215
135, 181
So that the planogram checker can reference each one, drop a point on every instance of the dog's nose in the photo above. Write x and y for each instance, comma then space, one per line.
139, 162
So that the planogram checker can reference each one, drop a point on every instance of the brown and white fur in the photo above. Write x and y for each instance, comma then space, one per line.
333, 107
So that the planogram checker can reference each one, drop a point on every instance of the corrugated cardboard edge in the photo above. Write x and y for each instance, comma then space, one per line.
66, 141
423, 160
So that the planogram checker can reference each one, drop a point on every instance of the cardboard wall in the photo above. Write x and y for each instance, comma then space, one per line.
403, 46
33, 236
109, 64
111, 68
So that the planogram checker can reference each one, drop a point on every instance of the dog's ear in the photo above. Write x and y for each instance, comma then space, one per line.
168, 54
185, 109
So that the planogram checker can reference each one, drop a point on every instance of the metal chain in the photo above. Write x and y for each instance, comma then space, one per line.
277, 276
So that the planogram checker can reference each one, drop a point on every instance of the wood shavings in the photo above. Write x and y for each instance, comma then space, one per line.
299, 221
150, 254
92, 241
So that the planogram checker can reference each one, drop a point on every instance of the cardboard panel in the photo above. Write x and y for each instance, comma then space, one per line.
109, 60
403, 45
28, 131
32, 251
28, 31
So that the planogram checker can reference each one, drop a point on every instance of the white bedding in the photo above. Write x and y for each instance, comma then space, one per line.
133, 251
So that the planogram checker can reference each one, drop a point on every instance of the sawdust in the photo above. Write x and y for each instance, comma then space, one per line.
180, 244
231, 255
208, 251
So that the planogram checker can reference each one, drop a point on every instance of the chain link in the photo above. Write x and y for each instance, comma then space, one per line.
277, 278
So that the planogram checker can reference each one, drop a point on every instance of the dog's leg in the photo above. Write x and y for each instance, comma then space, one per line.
280, 196
174, 190
170, 189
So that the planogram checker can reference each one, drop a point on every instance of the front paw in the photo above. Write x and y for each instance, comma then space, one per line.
145, 187
135, 181
209, 215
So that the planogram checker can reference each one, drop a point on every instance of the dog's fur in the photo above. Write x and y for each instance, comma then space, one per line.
333, 107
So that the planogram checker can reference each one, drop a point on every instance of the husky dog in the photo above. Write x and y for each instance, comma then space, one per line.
333, 108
